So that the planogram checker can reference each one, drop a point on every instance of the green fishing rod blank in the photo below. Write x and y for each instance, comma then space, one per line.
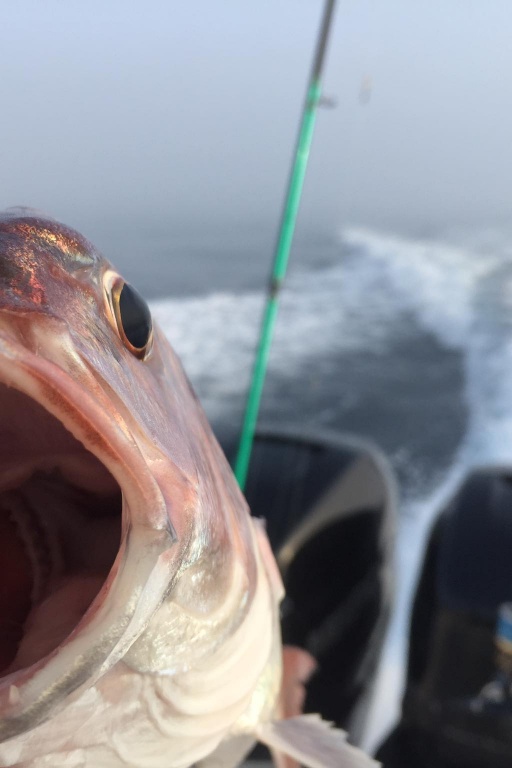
282, 251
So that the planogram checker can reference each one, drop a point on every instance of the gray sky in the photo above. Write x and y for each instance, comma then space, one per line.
112, 109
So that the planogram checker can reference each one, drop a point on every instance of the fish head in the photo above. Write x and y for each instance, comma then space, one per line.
114, 495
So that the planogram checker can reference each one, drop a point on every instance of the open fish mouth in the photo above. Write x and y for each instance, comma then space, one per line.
78, 556
60, 523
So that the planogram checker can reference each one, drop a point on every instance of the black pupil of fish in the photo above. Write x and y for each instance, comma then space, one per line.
135, 317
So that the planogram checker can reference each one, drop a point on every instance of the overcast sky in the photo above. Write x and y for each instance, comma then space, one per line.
189, 110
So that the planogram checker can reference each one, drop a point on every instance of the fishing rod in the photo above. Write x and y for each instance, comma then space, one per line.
282, 251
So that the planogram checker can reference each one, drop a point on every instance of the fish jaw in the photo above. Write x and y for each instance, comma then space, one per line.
143, 567
173, 719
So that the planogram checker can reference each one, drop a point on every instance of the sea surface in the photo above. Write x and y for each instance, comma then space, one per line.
401, 339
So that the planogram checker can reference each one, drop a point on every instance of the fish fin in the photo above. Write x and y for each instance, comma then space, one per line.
313, 742
298, 666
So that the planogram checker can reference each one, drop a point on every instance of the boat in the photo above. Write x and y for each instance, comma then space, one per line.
330, 504
457, 706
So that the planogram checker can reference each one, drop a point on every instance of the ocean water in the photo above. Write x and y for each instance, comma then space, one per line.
403, 340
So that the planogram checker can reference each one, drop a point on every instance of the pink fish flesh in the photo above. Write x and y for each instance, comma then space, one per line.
139, 600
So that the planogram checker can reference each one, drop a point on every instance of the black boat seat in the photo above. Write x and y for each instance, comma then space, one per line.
466, 575
329, 501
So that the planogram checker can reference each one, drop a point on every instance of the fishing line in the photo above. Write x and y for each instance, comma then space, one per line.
282, 251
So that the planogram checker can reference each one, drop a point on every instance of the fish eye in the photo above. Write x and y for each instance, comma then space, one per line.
132, 318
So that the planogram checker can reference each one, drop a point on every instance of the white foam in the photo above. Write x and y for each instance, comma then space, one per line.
216, 335
462, 295
357, 303
434, 281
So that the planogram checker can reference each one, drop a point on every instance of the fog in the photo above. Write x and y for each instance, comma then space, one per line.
186, 113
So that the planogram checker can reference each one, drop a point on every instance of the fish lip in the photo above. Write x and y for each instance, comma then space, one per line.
142, 570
